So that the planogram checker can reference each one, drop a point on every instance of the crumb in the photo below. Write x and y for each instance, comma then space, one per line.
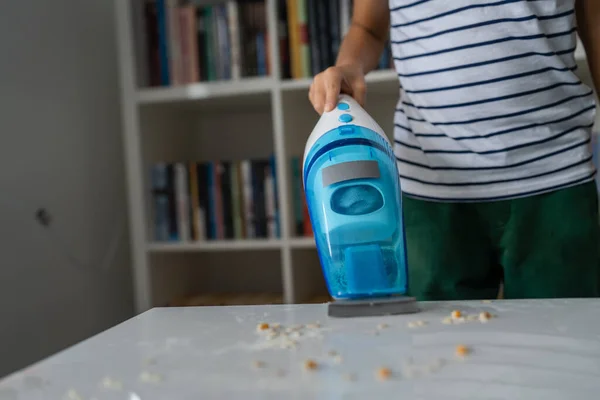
383, 373
462, 350
350, 377
295, 334
447, 321
259, 364
276, 325
263, 326
313, 326
421, 323
486, 301
456, 314
109, 383
485, 316
338, 359
73, 395
412, 324
310, 365
149, 377
272, 335
332, 353
415, 324
382, 326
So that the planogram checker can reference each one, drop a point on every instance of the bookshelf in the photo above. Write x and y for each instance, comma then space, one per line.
238, 118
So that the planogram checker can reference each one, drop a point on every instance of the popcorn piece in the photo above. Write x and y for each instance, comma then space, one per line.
462, 350
484, 316
262, 327
382, 326
259, 364
310, 365
456, 314
383, 373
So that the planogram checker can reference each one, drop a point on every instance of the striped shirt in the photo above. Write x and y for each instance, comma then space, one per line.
490, 106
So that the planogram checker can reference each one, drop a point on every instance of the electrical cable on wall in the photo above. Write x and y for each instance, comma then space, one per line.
44, 218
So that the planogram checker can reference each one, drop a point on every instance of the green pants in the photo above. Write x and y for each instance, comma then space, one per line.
543, 246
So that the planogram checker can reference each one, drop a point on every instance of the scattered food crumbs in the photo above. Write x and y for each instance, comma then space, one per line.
382, 326
150, 361
350, 377
456, 314
462, 350
486, 301
316, 325
416, 324
295, 334
412, 324
447, 321
150, 377
272, 335
73, 395
112, 384
421, 323
310, 365
259, 364
485, 316
338, 359
276, 325
383, 373
263, 326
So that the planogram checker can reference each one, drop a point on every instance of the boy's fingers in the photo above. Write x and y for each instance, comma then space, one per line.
359, 91
333, 81
317, 95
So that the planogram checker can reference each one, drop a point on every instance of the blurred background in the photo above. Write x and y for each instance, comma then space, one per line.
150, 156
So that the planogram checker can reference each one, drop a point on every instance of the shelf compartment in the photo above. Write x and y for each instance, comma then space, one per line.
178, 275
309, 282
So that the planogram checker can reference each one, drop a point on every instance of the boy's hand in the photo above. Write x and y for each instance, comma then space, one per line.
326, 86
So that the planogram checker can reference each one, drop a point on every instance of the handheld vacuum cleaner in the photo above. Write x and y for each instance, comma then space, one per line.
353, 195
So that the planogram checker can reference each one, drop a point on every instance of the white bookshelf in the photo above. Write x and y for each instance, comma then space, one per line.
228, 120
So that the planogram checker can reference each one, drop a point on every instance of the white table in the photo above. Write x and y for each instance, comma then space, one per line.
530, 350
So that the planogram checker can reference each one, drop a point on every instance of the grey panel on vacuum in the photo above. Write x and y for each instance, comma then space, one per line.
350, 170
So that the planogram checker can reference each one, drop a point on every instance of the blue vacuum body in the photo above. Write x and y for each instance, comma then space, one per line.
353, 195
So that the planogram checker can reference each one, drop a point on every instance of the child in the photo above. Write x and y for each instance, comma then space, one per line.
492, 137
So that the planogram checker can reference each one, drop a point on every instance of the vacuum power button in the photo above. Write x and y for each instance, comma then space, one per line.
343, 106
345, 118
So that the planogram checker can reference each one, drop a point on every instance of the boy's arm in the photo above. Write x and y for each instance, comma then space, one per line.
588, 27
367, 34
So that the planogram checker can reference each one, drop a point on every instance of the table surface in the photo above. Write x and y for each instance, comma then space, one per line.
532, 349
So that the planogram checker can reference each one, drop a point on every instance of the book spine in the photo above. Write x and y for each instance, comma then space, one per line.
211, 201
303, 39
219, 201
324, 44
192, 47
235, 39
173, 220
334, 28
152, 52
235, 200
270, 202
209, 44
313, 37
276, 197
258, 188
181, 187
295, 60
194, 201
248, 199
201, 44
160, 201
163, 42
184, 45
227, 201
224, 42
203, 199
284, 46
175, 64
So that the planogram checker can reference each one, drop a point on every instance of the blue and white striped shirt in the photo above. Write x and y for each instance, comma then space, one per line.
490, 106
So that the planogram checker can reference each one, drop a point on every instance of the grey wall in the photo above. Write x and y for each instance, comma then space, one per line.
60, 148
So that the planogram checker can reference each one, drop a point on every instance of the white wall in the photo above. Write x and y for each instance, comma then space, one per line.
60, 148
